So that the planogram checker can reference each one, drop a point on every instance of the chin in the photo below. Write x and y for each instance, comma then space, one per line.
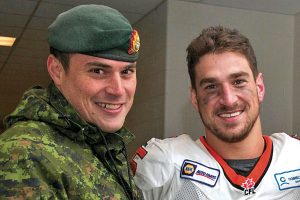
111, 129
110, 125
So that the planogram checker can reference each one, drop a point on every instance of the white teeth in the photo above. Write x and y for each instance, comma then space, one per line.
225, 115
109, 106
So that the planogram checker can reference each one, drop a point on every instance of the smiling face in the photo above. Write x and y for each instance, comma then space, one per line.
227, 96
101, 90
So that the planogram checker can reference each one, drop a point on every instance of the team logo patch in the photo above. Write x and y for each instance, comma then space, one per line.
198, 172
134, 42
287, 180
248, 186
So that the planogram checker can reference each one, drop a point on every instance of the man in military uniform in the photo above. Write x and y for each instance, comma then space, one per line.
68, 141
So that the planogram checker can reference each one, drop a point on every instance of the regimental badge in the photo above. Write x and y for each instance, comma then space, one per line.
134, 42
248, 186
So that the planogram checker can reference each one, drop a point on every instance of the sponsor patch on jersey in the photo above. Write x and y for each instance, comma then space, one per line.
198, 172
287, 180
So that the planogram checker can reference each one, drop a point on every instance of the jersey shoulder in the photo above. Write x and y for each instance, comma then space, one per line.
284, 144
153, 163
283, 138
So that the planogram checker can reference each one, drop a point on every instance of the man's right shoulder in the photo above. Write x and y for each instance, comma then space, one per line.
153, 164
22, 137
24, 129
156, 150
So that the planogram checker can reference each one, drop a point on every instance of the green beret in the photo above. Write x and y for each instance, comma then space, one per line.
95, 30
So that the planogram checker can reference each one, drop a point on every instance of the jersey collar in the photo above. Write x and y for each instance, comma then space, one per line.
257, 172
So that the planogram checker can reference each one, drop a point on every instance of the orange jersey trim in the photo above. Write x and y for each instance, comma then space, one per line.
257, 172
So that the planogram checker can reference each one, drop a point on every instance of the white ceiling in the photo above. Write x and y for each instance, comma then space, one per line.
23, 65
288, 7
28, 21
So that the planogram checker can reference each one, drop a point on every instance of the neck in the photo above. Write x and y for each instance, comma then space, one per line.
251, 147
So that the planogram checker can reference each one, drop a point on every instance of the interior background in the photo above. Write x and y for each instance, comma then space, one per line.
162, 105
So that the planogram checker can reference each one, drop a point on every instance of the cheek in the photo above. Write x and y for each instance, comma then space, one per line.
248, 94
205, 99
79, 91
89, 87
206, 103
131, 88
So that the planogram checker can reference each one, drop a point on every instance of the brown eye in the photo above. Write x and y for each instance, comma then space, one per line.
97, 71
210, 87
239, 82
128, 71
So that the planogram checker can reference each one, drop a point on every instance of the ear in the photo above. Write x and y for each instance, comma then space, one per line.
55, 69
194, 99
260, 87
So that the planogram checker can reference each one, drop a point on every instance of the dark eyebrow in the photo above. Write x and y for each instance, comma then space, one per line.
104, 65
98, 64
207, 80
231, 76
131, 65
239, 74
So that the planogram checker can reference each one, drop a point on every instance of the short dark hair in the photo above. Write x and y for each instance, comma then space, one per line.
63, 57
218, 39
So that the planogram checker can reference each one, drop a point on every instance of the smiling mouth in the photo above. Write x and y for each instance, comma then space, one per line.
229, 115
110, 106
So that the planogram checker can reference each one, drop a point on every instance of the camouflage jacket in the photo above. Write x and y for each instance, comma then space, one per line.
49, 152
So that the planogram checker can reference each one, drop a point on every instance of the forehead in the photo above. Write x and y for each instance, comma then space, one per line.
222, 65
82, 60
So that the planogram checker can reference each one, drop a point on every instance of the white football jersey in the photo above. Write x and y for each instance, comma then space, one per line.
182, 169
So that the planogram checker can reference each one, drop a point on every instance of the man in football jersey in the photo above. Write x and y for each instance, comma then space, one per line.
234, 160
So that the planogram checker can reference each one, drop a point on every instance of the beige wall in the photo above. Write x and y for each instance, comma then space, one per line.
296, 77
146, 119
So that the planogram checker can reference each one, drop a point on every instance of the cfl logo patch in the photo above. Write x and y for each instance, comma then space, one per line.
248, 186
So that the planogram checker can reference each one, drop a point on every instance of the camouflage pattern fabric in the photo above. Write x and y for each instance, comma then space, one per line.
49, 152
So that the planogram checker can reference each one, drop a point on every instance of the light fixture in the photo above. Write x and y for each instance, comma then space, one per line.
7, 41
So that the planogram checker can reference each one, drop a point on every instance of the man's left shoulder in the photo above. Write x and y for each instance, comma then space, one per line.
284, 135
284, 140
295, 136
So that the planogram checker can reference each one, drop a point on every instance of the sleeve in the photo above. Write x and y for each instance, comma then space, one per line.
153, 168
22, 174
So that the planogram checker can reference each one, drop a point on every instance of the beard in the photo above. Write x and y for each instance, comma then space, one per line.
229, 133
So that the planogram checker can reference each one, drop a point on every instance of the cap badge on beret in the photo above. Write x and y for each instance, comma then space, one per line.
134, 42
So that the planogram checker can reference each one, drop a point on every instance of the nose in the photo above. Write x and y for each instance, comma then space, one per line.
115, 86
228, 96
